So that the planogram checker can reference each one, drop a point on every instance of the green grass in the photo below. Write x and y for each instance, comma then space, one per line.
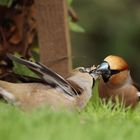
98, 121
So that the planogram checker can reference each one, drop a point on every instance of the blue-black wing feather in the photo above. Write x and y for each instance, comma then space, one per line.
46, 74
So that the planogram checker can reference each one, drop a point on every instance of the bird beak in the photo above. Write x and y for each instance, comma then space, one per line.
104, 70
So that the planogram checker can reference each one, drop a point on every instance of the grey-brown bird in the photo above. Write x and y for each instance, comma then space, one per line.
71, 93
116, 81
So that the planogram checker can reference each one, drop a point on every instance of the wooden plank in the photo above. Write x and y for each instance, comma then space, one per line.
53, 33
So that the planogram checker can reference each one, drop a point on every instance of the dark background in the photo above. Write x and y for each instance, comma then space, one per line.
111, 27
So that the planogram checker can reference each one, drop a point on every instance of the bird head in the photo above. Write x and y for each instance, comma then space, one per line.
113, 69
83, 76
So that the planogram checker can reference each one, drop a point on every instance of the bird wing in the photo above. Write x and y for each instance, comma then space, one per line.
27, 79
138, 88
46, 74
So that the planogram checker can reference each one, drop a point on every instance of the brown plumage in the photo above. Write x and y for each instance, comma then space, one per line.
119, 84
71, 93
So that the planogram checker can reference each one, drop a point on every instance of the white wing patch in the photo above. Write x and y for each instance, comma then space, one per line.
7, 95
138, 93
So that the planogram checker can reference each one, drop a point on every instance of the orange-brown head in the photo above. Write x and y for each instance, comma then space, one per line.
116, 63
114, 70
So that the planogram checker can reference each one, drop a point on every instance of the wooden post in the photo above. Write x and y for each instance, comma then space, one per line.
53, 33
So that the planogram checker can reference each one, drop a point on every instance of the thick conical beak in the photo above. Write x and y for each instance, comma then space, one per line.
104, 70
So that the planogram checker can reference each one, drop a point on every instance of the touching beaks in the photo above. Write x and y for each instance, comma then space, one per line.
101, 70
104, 70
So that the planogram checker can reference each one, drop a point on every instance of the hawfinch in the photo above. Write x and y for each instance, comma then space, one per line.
116, 81
71, 93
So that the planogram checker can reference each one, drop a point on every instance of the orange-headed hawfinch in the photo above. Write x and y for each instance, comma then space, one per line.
116, 81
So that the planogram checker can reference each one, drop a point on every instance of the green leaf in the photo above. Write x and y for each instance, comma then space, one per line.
22, 69
69, 2
76, 28
6, 2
